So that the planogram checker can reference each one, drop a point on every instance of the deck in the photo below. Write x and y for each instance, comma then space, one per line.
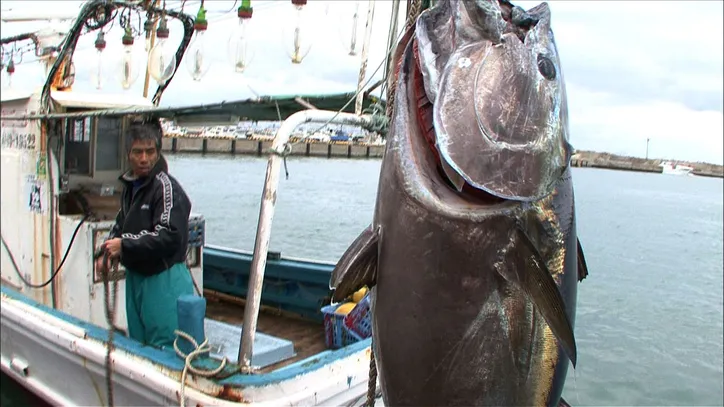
308, 337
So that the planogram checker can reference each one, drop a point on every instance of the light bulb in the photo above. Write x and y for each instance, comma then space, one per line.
148, 28
350, 29
298, 35
127, 67
162, 59
196, 61
239, 48
97, 73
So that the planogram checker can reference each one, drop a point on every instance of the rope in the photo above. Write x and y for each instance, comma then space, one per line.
287, 147
414, 10
110, 308
284, 154
372, 383
198, 350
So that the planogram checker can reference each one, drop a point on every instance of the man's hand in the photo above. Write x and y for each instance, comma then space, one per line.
113, 247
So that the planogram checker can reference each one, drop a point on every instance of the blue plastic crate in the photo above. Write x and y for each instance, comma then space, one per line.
359, 320
336, 334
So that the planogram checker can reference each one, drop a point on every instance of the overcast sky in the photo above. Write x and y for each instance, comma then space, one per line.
634, 70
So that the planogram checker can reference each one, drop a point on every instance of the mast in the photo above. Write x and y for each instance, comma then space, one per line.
365, 52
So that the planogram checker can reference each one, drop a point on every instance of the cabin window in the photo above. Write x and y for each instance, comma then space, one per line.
108, 144
77, 146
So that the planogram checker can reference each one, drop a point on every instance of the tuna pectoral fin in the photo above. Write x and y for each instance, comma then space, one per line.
582, 266
530, 272
563, 403
357, 267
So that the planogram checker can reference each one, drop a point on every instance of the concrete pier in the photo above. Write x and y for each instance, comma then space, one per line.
261, 147
592, 159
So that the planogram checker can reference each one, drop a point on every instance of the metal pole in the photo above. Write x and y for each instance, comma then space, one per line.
647, 148
365, 51
151, 44
266, 215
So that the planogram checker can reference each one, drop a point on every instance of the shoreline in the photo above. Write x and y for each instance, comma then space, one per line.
259, 147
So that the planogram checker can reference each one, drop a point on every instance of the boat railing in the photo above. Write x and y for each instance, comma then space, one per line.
280, 148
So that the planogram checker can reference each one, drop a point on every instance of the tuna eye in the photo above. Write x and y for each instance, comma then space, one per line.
546, 67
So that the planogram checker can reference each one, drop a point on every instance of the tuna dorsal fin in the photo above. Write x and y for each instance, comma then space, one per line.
358, 265
527, 268
582, 266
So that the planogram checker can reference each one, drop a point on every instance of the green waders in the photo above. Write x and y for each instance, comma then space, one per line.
151, 304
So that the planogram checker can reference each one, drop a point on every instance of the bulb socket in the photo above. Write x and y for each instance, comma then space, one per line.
127, 39
200, 24
148, 27
100, 43
299, 2
162, 30
245, 12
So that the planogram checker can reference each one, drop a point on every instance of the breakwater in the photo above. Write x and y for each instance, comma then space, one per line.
204, 145
609, 161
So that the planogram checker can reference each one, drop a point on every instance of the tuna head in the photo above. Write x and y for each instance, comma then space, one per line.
500, 115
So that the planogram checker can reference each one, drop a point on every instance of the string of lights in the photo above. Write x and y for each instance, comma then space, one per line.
147, 20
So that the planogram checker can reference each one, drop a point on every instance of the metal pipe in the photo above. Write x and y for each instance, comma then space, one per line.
147, 79
266, 215
365, 52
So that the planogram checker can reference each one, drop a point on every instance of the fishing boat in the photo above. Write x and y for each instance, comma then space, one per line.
669, 168
271, 336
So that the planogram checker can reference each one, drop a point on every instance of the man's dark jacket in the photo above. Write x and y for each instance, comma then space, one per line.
153, 223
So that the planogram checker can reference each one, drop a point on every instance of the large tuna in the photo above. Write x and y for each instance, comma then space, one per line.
472, 254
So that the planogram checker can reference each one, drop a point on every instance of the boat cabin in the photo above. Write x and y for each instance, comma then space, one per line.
60, 194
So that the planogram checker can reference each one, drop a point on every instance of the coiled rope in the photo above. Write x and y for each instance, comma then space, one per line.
198, 350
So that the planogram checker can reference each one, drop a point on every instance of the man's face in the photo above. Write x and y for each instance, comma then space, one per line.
143, 157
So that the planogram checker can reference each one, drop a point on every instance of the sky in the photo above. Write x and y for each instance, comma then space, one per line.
634, 70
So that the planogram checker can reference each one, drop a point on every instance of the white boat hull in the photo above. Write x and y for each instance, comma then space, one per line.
61, 363
671, 169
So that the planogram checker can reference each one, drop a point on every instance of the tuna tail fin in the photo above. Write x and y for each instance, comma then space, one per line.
530, 272
563, 403
582, 266
358, 265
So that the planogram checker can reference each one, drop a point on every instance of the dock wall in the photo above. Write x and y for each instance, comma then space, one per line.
589, 159
261, 147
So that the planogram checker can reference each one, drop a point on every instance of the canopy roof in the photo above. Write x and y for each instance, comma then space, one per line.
264, 108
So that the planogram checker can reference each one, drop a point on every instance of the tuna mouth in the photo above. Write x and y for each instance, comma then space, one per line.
517, 20
424, 115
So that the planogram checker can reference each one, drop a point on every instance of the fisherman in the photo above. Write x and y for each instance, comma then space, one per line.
150, 238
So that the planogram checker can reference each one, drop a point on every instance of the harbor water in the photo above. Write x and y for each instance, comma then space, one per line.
649, 320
